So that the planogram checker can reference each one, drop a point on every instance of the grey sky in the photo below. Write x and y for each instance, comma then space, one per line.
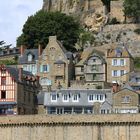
13, 14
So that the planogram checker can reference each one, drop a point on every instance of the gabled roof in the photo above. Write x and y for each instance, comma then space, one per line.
127, 90
14, 72
118, 48
89, 52
24, 59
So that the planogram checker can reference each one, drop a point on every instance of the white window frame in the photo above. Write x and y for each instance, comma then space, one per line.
77, 97
122, 60
30, 57
114, 62
91, 96
67, 95
113, 73
52, 97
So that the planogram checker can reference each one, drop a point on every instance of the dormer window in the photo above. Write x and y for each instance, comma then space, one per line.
65, 98
118, 52
75, 98
30, 57
54, 98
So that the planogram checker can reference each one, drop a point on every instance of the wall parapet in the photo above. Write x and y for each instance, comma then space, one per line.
55, 120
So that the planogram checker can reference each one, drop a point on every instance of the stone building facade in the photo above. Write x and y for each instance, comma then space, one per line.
91, 70
18, 90
126, 101
28, 59
119, 64
55, 66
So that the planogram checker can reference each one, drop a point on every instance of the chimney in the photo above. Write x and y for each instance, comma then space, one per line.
115, 87
52, 39
20, 72
39, 49
22, 48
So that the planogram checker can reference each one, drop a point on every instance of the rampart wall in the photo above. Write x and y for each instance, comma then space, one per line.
68, 127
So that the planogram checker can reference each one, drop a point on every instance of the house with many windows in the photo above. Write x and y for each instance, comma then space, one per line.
126, 101
78, 101
18, 90
28, 59
119, 64
55, 66
91, 70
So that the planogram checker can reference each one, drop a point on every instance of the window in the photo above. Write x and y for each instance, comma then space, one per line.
3, 94
3, 80
65, 97
126, 99
101, 97
114, 73
122, 72
45, 68
59, 65
122, 62
82, 69
3, 71
91, 98
54, 98
30, 57
45, 81
103, 111
75, 97
114, 63
93, 67
94, 60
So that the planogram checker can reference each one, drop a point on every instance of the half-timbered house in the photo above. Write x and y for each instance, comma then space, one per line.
18, 91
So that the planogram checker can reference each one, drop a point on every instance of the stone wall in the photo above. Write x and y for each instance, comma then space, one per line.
68, 127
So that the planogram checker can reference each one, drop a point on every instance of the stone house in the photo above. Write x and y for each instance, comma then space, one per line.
55, 66
126, 101
119, 64
91, 70
78, 101
28, 59
18, 90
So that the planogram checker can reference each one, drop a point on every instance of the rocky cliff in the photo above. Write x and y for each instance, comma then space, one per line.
71, 6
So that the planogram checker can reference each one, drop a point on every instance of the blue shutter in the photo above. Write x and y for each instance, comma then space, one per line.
48, 68
41, 68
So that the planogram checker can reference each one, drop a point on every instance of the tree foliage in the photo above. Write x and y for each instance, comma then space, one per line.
3, 46
132, 9
43, 24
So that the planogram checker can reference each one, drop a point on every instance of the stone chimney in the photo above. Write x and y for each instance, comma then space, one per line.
22, 49
39, 49
20, 72
52, 39
115, 87
96, 108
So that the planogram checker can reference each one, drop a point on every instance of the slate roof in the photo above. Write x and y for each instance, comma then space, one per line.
83, 100
24, 59
59, 62
15, 73
90, 52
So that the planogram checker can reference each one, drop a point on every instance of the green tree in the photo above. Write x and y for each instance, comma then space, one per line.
132, 9
43, 24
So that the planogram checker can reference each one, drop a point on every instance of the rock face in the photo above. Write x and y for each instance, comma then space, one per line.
69, 6
90, 12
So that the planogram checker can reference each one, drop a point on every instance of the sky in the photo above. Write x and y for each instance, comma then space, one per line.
13, 15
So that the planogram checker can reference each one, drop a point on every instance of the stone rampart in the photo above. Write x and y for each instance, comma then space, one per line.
70, 127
